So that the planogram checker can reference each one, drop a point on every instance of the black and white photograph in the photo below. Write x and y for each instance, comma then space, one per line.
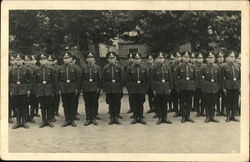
125, 81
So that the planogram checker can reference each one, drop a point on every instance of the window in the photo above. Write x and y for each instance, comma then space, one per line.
133, 50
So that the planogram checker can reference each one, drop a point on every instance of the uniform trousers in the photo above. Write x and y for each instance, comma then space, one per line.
68, 100
210, 101
33, 109
186, 102
20, 102
161, 101
56, 101
137, 101
199, 101
91, 102
174, 98
220, 103
46, 108
76, 103
150, 99
114, 101
130, 102
232, 100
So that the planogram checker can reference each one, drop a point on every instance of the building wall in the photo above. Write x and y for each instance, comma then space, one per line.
124, 49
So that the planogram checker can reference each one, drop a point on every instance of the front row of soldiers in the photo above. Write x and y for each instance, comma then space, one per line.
179, 81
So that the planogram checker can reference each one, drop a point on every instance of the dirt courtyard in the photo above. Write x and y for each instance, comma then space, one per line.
198, 137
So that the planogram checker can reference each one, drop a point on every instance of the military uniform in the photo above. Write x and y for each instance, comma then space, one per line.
137, 81
46, 87
170, 102
161, 84
185, 77
128, 65
210, 85
91, 85
113, 82
198, 94
11, 103
20, 79
150, 93
231, 76
56, 98
68, 78
174, 94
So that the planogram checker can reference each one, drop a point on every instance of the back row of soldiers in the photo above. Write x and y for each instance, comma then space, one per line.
176, 83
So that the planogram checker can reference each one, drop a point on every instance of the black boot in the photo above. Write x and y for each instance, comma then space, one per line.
159, 121
228, 118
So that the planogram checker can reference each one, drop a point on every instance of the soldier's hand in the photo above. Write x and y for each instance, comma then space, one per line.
76, 91
28, 93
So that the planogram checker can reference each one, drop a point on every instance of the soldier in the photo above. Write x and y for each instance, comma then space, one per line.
175, 95
220, 104
171, 63
198, 95
149, 65
129, 64
20, 79
56, 99
230, 74
69, 84
76, 63
161, 83
192, 59
11, 103
210, 85
137, 80
185, 77
91, 86
45, 84
113, 82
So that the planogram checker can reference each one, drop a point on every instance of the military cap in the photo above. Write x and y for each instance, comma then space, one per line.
137, 56
192, 55
199, 56
220, 55
90, 55
42, 57
210, 55
12, 58
186, 54
27, 58
149, 56
130, 55
177, 54
160, 55
66, 56
19, 57
33, 57
110, 55
50, 58
231, 54
171, 57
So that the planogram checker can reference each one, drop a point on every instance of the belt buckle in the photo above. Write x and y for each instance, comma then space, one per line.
44, 82
187, 78
234, 79
212, 80
163, 80
68, 81
138, 81
91, 80
18, 82
113, 81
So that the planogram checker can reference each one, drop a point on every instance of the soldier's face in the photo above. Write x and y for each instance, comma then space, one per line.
210, 60
220, 59
177, 59
150, 61
160, 60
19, 62
192, 60
66, 60
230, 59
131, 60
91, 60
111, 60
199, 60
185, 59
42, 62
137, 61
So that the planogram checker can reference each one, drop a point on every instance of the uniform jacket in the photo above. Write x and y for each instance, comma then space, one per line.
20, 74
161, 79
210, 78
113, 78
135, 74
197, 68
185, 77
91, 78
228, 73
45, 81
68, 72
173, 68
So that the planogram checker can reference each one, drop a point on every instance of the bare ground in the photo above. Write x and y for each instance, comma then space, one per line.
198, 137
